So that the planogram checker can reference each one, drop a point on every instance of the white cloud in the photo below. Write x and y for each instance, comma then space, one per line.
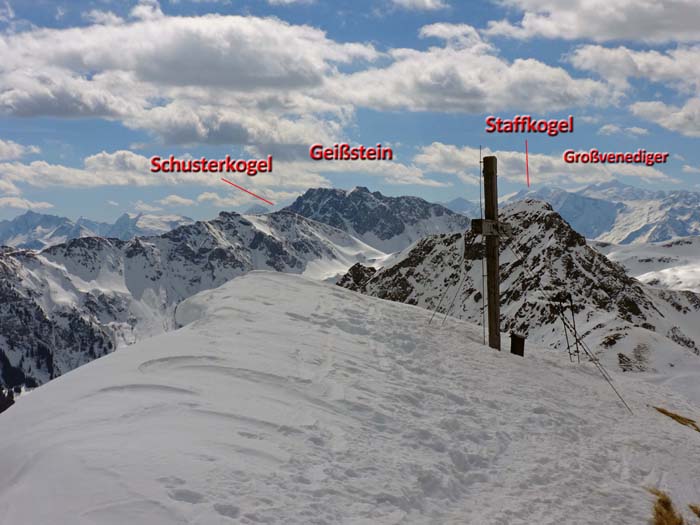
113, 203
602, 20
145, 207
213, 78
23, 204
147, 10
466, 76
8, 188
684, 120
6, 12
609, 129
10, 150
690, 169
423, 5
614, 129
464, 161
675, 67
176, 200
637, 131
102, 17
236, 198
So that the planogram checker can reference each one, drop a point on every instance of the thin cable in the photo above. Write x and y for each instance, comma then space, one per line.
464, 276
589, 353
446, 288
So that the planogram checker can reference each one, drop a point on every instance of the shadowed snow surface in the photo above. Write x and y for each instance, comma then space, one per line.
284, 400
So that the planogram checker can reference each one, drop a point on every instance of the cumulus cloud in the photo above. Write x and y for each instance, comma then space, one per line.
236, 198
176, 200
675, 67
682, 119
466, 75
24, 204
145, 207
8, 188
10, 150
602, 20
102, 17
464, 162
213, 78
262, 81
147, 10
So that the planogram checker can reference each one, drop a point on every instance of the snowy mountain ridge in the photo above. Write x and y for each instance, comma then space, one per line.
634, 326
36, 231
388, 224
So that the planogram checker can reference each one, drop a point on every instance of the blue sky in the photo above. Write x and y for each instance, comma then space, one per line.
90, 90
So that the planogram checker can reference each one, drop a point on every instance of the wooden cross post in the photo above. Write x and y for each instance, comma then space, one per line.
490, 228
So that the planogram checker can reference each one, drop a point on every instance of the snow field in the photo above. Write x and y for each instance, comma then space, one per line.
285, 400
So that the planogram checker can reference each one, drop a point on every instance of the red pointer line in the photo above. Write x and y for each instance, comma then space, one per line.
248, 192
527, 165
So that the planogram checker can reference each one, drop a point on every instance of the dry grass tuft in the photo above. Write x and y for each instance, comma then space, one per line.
695, 509
679, 419
664, 511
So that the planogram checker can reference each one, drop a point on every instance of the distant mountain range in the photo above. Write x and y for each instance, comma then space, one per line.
37, 230
622, 214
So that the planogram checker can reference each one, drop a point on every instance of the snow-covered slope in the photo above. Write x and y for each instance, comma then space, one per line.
285, 400
464, 207
639, 327
76, 301
671, 264
388, 224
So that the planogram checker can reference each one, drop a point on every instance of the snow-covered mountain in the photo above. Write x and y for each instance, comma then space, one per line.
591, 217
131, 225
645, 327
671, 264
73, 302
284, 400
622, 214
37, 230
387, 223
464, 207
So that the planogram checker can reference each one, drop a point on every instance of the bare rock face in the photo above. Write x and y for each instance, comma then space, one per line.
387, 223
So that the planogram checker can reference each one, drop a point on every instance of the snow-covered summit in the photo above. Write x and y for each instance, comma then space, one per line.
285, 400
637, 327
